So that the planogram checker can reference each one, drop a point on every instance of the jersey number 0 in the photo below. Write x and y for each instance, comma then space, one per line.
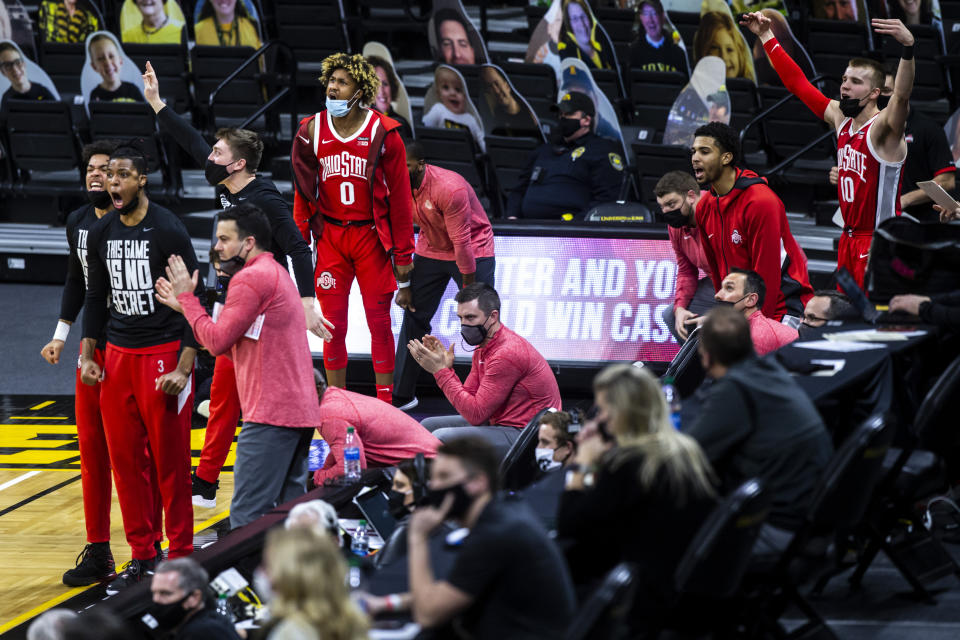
347, 196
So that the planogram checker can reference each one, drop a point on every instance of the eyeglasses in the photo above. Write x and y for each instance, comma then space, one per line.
809, 318
10, 65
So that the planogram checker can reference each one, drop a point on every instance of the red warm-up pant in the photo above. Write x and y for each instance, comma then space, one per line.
95, 478
345, 253
853, 253
133, 410
222, 424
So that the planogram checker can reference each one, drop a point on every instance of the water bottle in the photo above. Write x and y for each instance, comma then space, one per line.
223, 608
351, 457
354, 575
358, 544
673, 402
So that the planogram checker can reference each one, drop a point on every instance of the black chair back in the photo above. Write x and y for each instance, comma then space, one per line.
936, 430
719, 553
519, 467
42, 136
537, 83
241, 98
63, 62
601, 614
455, 150
169, 62
847, 483
654, 160
685, 368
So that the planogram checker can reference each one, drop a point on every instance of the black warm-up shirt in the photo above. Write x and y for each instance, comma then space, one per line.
515, 574
124, 263
287, 240
79, 223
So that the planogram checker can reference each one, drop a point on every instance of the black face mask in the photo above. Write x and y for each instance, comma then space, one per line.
850, 107
808, 331
883, 101
569, 126
461, 501
231, 266
725, 303
215, 173
169, 615
130, 207
395, 504
100, 199
675, 218
473, 334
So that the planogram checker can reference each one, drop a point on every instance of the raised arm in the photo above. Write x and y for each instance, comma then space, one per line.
790, 73
887, 135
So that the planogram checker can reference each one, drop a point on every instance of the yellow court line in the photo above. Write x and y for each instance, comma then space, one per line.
77, 590
42, 405
38, 418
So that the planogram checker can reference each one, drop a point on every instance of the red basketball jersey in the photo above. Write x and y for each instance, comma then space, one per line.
868, 187
345, 191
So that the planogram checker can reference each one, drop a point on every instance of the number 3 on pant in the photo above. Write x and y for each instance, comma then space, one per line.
346, 193
846, 188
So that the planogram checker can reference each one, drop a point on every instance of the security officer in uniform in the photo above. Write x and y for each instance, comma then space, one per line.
563, 180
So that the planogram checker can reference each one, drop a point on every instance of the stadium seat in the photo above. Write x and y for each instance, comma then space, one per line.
603, 614
790, 127
211, 65
687, 23
537, 83
744, 105
685, 368
653, 94
170, 64
63, 63
313, 29
913, 473
43, 140
455, 150
931, 83
654, 160
508, 157
519, 467
831, 44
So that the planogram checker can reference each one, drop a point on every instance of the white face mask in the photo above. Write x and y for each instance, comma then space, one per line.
545, 459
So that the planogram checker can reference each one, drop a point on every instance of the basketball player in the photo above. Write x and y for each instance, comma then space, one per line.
870, 143
95, 563
146, 388
353, 192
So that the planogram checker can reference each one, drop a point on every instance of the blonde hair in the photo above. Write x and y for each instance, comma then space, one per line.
308, 577
640, 421
359, 69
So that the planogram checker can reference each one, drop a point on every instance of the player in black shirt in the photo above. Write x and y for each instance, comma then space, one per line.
146, 389
96, 561
230, 167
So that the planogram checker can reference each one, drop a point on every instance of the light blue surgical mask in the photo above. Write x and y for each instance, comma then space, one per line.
340, 108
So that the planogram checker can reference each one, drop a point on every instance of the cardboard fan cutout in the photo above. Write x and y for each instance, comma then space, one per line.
718, 35
503, 111
447, 104
16, 26
453, 38
657, 45
128, 76
703, 100
235, 23
847, 10
34, 73
953, 135
56, 25
154, 22
575, 76
392, 100
569, 30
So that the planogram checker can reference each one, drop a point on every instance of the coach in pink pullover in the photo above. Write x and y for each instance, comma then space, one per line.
384, 434
744, 290
508, 383
262, 327
455, 242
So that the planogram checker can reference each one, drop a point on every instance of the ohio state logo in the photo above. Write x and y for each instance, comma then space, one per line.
736, 237
326, 280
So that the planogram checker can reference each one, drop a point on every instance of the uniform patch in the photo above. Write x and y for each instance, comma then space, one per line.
615, 161
363, 141
224, 202
576, 153
326, 281
736, 237
428, 205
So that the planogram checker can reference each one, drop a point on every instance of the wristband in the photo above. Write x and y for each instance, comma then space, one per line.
392, 602
403, 285
63, 330
907, 53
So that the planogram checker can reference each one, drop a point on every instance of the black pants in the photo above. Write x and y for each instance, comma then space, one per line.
428, 283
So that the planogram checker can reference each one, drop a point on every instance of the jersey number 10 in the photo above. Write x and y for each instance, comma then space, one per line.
846, 188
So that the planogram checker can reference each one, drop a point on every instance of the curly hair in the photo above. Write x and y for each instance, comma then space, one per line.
359, 69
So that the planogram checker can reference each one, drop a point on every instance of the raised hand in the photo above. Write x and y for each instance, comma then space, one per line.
894, 28
756, 22
151, 88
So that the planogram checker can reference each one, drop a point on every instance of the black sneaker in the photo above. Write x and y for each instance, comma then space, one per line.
405, 404
94, 564
204, 493
133, 572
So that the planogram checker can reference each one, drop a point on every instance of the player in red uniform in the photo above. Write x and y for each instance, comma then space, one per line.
145, 379
353, 193
95, 563
870, 143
